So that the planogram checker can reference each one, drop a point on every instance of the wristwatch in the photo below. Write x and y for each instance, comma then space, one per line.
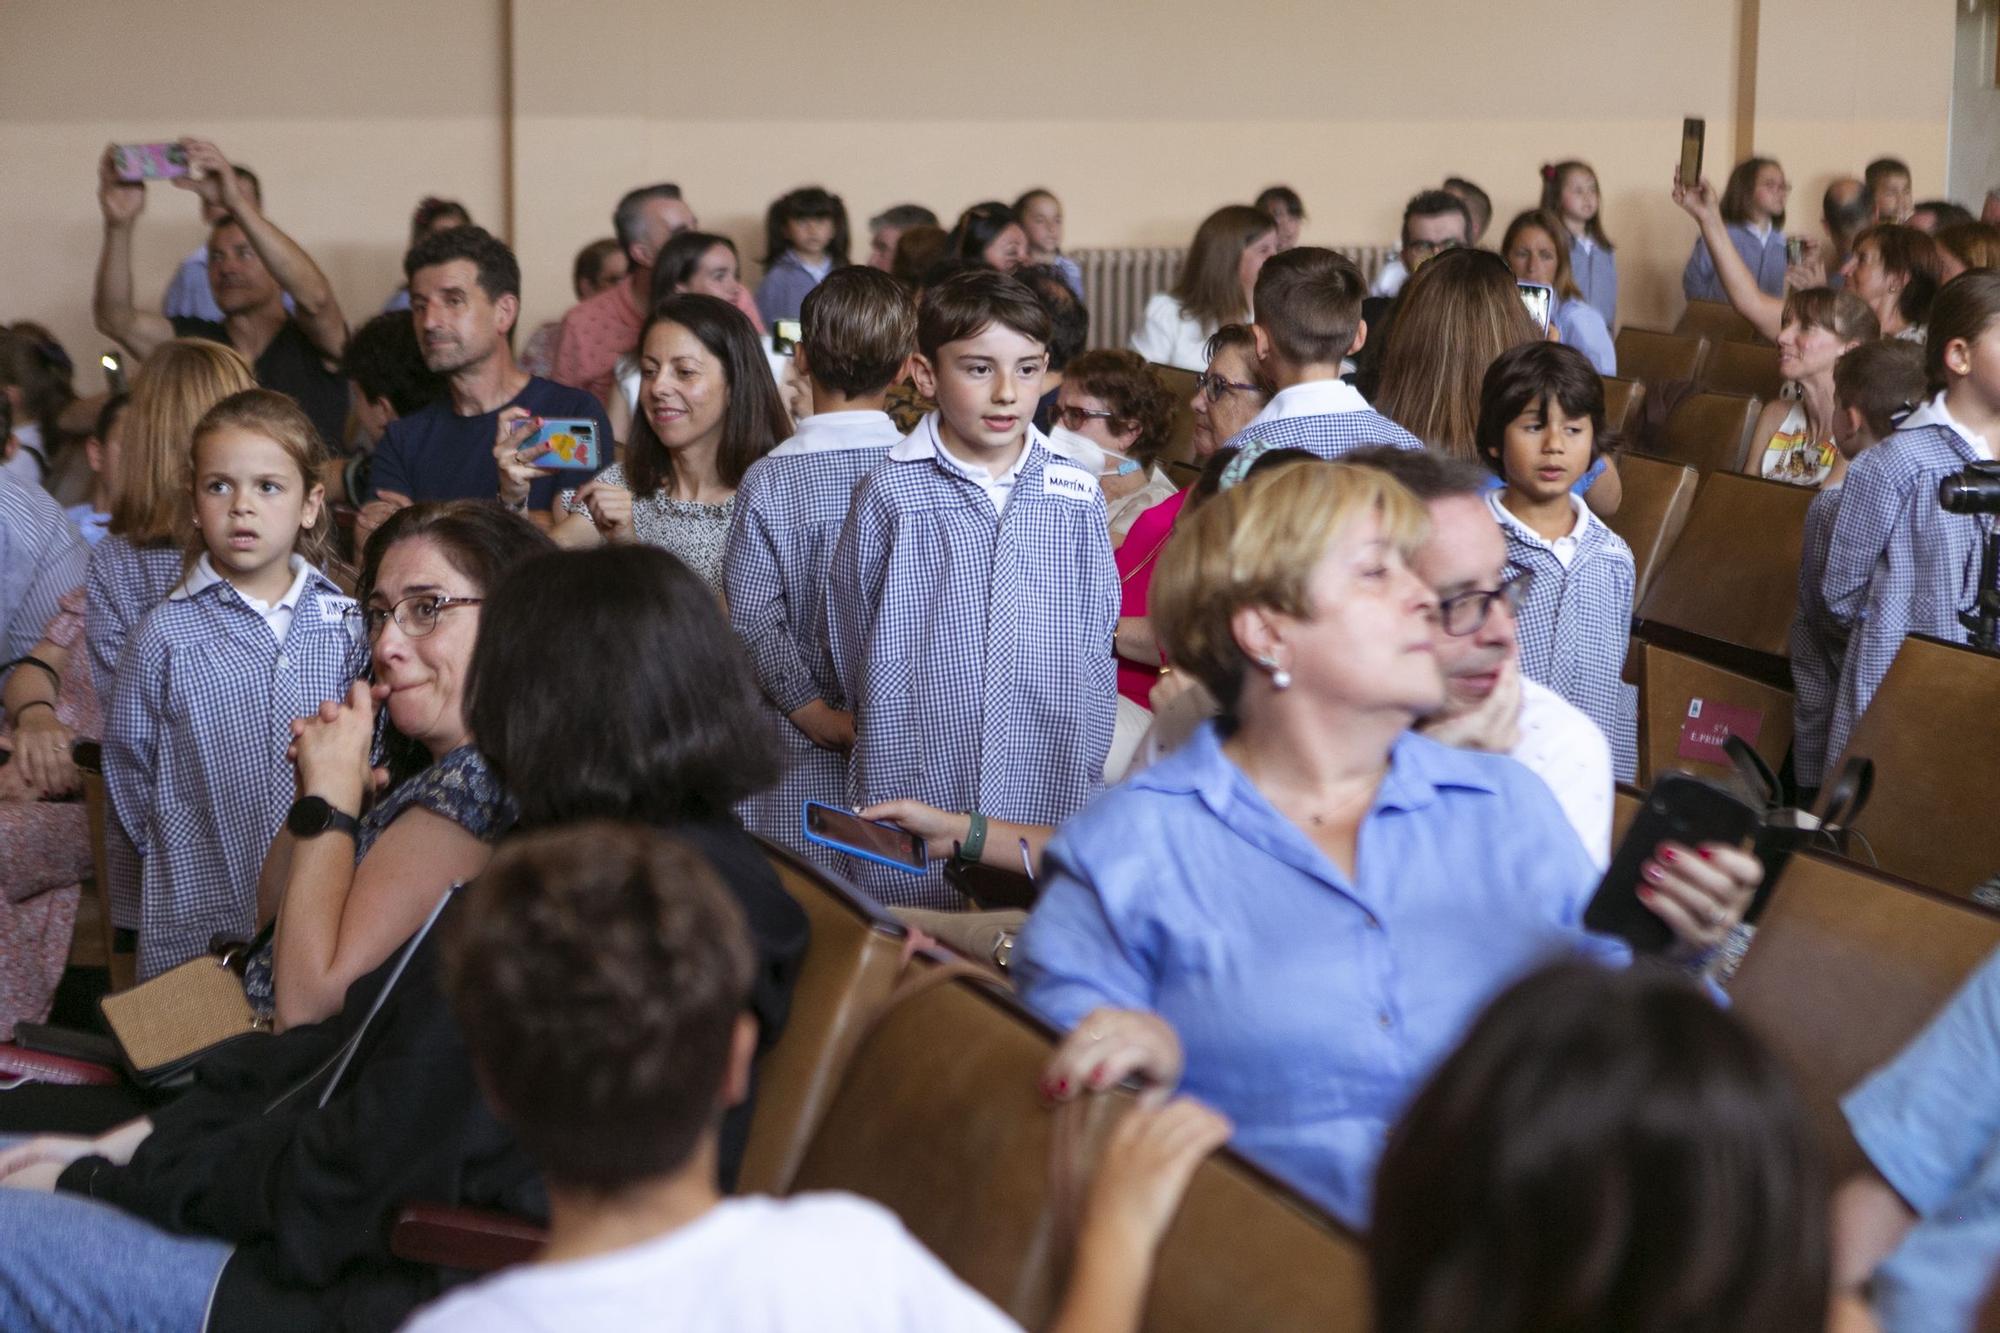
311, 816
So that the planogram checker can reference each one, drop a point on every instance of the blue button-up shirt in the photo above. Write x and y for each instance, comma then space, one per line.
1310, 1005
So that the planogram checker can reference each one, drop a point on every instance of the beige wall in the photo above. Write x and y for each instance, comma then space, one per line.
538, 114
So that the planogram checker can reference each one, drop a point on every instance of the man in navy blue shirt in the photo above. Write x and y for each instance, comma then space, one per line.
465, 294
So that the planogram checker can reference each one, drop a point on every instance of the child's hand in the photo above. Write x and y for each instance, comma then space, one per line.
1697, 200
331, 749
825, 726
1151, 1157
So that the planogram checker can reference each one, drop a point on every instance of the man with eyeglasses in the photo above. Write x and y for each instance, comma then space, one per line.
1433, 221
1489, 705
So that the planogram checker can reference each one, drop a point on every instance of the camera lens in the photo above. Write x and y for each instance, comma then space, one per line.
1975, 490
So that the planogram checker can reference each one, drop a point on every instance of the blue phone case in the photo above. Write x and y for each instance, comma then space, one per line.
571, 444
805, 827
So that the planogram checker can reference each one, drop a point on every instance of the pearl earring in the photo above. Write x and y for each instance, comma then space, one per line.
1281, 679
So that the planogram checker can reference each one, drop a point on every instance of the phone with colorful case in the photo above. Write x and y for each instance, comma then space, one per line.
568, 443
150, 161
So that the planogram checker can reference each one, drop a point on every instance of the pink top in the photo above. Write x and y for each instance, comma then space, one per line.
595, 333
1136, 559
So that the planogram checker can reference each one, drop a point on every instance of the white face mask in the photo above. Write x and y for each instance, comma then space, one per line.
1090, 455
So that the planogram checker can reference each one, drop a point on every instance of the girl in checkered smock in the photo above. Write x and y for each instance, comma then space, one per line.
1898, 564
252, 637
1541, 421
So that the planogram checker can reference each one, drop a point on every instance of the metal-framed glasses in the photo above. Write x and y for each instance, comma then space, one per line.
416, 615
1075, 418
1464, 613
1213, 386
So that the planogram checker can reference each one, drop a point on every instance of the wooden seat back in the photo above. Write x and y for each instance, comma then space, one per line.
1933, 730
1745, 368
1733, 577
850, 968
1846, 967
122, 964
1622, 400
1179, 459
1658, 494
1716, 321
1688, 706
1708, 431
1656, 358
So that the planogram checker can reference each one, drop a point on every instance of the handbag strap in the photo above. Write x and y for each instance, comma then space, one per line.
1755, 773
1847, 796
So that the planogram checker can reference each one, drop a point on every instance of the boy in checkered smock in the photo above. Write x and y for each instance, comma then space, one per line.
1899, 564
1873, 386
972, 596
1541, 414
208, 686
858, 330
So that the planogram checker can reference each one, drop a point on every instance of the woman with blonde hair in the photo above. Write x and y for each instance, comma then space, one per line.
1214, 288
1299, 911
1455, 315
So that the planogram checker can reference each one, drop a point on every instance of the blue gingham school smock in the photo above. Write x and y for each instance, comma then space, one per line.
1575, 626
789, 511
975, 647
195, 745
1898, 564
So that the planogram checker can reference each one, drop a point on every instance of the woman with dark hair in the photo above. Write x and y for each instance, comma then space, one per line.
1215, 287
1124, 418
989, 234
711, 409
1537, 248
261, 1197
805, 238
1753, 218
1605, 1150
331, 912
699, 263
1895, 269
35, 376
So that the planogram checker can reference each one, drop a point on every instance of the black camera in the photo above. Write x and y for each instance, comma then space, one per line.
1974, 490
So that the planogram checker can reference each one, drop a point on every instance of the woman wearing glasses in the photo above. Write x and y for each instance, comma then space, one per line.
1301, 910
1113, 400
1227, 395
332, 910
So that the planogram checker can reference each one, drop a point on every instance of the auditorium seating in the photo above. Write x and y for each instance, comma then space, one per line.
849, 969
1657, 497
1687, 707
1732, 578
1622, 400
1708, 431
122, 964
1179, 459
1846, 967
1745, 368
1655, 359
1933, 730
1716, 321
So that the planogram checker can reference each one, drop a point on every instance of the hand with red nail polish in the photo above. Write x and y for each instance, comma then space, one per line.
1112, 1045
1701, 893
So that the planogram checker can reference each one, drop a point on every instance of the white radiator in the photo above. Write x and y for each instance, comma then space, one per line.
1118, 283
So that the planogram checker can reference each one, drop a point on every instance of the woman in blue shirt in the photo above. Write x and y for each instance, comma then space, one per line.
1307, 900
1536, 248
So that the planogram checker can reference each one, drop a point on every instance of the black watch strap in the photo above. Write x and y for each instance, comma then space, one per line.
311, 816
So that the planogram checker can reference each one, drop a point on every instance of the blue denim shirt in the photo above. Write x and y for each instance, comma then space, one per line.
1930, 1122
1310, 1006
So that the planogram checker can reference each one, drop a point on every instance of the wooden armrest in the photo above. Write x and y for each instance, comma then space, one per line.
18, 1064
472, 1239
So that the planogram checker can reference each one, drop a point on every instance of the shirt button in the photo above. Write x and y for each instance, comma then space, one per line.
1384, 1021
1374, 922
284, 662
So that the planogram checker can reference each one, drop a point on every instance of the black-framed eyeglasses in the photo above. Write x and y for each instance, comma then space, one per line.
1075, 418
416, 615
1464, 613
1213, 386
1426, 249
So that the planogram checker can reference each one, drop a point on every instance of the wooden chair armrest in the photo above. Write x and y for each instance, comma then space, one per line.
474, 1240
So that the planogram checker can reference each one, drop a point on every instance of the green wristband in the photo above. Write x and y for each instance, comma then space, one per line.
975, 839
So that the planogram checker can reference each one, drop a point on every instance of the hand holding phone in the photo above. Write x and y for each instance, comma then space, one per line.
135, 162
1541, 302
884, 844
563, 443
1682, 809
1694, 132
786, 334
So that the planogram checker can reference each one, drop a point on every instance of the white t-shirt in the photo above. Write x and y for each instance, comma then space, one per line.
816, 1263
1564, 748
1169, 336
